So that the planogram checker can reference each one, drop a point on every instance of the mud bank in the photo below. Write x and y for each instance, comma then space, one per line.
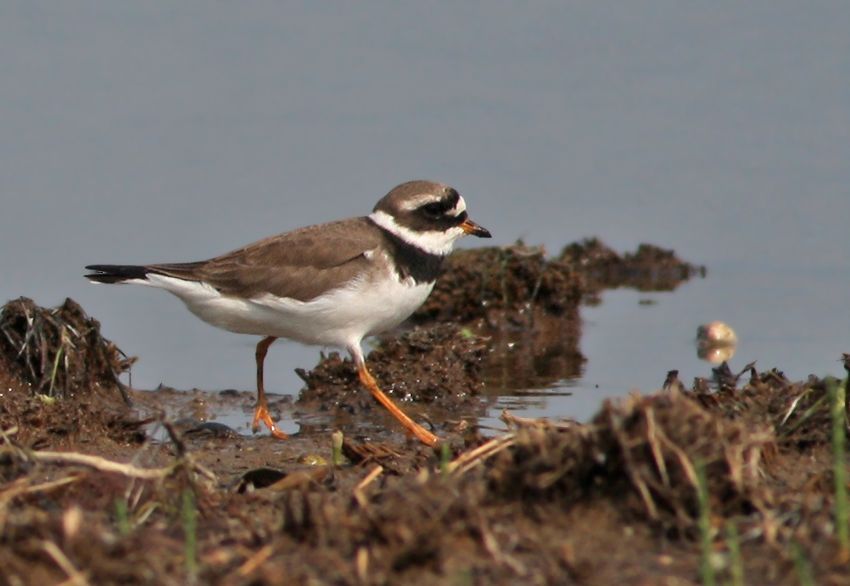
734, 472
540, 504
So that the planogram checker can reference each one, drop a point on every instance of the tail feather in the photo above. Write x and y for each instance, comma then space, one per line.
116, 273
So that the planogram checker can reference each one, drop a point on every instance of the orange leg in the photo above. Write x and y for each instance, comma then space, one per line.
422, 434
261, 412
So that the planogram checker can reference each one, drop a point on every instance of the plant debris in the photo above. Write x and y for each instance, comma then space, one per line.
797, 412
58, 351
542, 503
493, 283
649, 268
60, 375
528, 304
646, 450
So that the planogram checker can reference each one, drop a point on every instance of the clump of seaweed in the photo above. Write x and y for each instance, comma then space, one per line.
58, 351
798, 412
60, 376
649, 268
646, 449
511, 280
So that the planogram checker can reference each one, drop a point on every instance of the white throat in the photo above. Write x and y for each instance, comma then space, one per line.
432, 241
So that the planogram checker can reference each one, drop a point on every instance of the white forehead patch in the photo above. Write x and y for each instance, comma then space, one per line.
460, 207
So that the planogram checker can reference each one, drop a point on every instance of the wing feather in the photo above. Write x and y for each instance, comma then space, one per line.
299, 265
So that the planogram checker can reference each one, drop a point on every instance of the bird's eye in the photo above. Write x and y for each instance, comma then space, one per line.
434, 209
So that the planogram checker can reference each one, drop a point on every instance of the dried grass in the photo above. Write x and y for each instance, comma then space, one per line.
58, 351
644, 449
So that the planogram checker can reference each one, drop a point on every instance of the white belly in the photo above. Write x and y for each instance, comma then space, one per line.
341, 317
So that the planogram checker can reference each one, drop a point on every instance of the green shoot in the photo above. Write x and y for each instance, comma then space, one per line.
445, 458
837, 395
706, 568
336, 448
802, 565
122, 517
736, 562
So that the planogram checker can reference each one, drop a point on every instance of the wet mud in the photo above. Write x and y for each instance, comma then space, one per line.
734, 471
436, 365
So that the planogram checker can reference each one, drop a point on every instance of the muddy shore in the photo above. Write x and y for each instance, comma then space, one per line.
733, 475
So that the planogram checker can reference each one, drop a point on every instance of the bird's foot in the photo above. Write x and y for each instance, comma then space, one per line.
413, 428
261, 414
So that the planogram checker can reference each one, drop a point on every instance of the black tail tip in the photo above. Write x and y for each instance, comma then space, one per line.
115, 273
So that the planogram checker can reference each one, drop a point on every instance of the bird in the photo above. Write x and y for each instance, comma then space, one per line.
330, 284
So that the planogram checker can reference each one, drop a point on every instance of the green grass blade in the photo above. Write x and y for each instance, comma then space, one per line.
837, 395
736, 562
706, 568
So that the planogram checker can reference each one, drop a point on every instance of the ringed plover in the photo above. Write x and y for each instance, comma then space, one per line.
330, 284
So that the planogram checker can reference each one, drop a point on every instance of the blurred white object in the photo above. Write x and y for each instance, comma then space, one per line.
716, 342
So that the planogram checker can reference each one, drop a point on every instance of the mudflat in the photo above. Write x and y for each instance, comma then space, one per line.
731, 479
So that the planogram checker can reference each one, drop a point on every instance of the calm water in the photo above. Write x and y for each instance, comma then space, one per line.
152, 131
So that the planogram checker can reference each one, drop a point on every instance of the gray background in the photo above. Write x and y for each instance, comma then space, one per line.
162, 131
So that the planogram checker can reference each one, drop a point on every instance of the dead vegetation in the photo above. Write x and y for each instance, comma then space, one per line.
518, 507
616, 500
645, 450
527, 303
798, 412
514, 508
649, 268
60, 375
501, 284
59, 352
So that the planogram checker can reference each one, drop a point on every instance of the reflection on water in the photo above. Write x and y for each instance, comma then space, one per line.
540, 356
715, 354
